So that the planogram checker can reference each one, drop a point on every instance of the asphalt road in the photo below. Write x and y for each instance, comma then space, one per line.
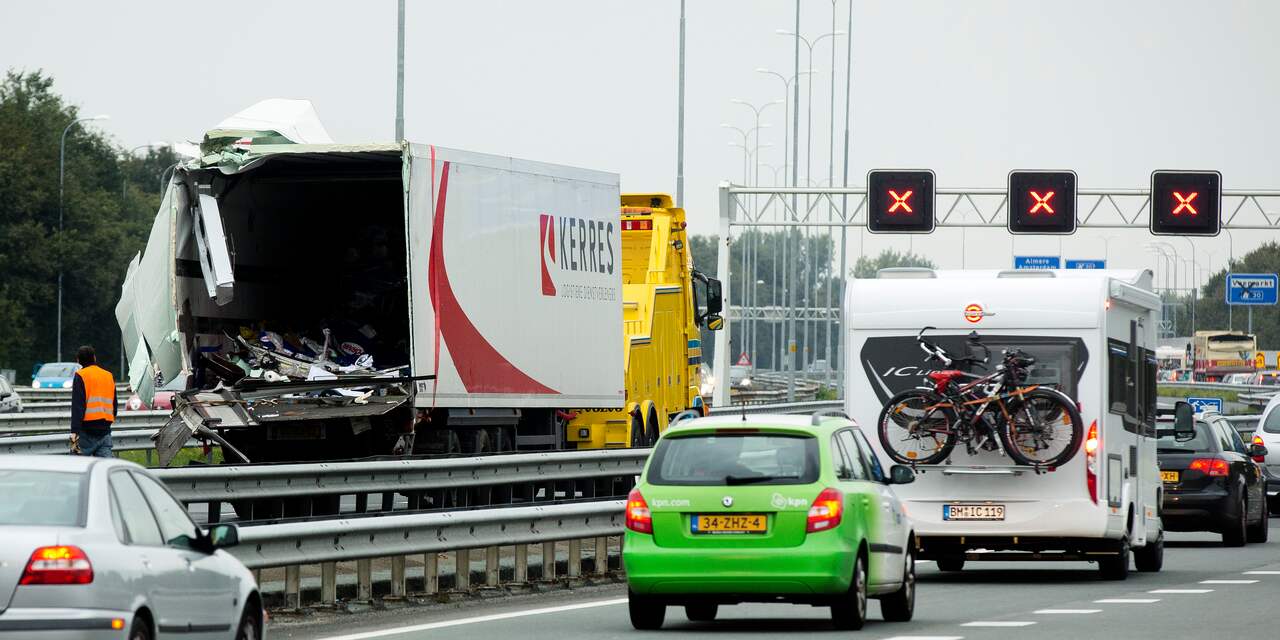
986, 600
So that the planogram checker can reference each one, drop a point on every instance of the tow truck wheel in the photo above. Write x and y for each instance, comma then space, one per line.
637, 432
651, 429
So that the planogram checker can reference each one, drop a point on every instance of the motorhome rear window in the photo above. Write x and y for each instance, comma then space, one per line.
733, 459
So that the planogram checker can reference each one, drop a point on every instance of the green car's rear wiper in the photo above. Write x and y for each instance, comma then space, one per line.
755, 479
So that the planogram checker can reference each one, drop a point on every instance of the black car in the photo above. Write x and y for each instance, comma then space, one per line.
1211, 482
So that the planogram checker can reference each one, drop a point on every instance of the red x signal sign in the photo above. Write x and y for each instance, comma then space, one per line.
1042, 202
1184, 203
900, 201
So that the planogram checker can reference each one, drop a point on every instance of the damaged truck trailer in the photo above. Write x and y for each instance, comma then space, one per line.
325, 301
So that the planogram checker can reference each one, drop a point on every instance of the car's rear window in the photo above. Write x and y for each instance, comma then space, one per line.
56, 370
31, 497
1271, 424
739, 459
1204, 440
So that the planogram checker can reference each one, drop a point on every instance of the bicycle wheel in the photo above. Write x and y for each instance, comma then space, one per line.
1044, 429
917, 426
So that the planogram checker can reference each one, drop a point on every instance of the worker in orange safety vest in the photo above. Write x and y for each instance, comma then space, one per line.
93, 406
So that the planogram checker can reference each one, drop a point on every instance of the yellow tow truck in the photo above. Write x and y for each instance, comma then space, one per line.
665, 302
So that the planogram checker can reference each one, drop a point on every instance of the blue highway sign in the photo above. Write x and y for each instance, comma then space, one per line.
1252, 288
1205, 404
1086, 264
1037, 262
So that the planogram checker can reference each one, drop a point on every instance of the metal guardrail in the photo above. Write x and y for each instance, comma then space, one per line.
61, 394
510, 477
45, 422
779, 407
1220, 386
56, 443
46, 405
291, 545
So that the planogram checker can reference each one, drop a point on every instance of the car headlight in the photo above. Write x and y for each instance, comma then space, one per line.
66, 385
35, 384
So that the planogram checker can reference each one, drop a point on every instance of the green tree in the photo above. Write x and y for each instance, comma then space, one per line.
101, 229
867, 267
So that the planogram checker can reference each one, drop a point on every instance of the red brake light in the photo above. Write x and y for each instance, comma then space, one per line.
637, 225
1258, 441
58, 565
639, 519
1091, 443
1212, 467
826, 511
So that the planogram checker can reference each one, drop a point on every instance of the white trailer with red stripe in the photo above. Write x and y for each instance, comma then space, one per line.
491, 286
1081, 326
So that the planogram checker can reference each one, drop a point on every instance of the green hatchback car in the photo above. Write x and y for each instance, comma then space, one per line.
767, 508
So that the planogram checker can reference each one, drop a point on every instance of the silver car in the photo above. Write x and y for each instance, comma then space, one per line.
10, 401
98, 548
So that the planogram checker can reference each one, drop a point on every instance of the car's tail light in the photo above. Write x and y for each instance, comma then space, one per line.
1091, 443
639, 519
1212, 467
58, 565
1258, 441
826, 511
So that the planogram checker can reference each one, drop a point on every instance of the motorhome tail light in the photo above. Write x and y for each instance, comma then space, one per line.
1212, 467
826, 511
1091, 461
62, 564
639, 519
1258, 441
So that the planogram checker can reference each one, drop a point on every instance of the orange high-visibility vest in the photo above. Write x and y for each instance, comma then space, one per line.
99, 393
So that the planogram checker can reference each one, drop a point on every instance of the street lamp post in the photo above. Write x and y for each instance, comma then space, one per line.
810, 281
62, 156
755, 236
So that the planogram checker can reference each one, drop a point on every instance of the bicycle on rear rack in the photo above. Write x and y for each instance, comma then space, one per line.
1036, 424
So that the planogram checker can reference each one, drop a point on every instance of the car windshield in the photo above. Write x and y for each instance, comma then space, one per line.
1167, 441
724, 459
57, 370
50, 498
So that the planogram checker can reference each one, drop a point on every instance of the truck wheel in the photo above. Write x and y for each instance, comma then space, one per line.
1116, 567
1150, 558
637, 432
651, 429
500, 439
475, 441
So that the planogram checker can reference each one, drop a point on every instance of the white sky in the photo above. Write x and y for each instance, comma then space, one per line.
969, 89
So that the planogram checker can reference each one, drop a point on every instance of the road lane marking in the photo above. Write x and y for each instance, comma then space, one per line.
1262, 573
998, 623
926, 638
1228, 582
1180, 591
381, 633
1055, 611
1127, 601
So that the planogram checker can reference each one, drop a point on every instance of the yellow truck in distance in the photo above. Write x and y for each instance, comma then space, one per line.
665, 304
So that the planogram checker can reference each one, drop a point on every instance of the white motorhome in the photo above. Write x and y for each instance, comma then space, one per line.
1103, 504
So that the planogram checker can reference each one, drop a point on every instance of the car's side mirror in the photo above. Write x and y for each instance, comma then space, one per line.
1183, 420
901, 474
4, 394
222, 536
1257, 452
